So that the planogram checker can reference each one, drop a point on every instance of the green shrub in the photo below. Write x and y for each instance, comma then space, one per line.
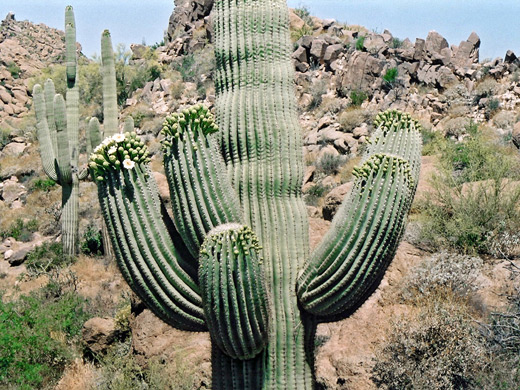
360, 42
314, 194
433, 141
358, 97
436, 348
14, 70
44, 185
38, 335
5, 137
329, 164
92, 243
21, 230
396, 43
47, 257
390, 76
473, 198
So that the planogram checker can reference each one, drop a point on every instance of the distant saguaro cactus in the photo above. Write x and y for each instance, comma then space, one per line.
235, 260
58, 128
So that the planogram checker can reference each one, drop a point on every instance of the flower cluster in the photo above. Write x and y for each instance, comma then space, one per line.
187, 125
393, 119
120, 150
386, 162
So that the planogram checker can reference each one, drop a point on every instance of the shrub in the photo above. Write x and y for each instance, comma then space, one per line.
305, 15
492, 106
5, 137
21, 230
314, 194
38, 338
47, 257
92, 243
435, 348
360, 42
473, 197
329, 163
396, 43
432, 141
390, 77
317, 90
442, 271
44, 185
358, 97
14, 69
351, 118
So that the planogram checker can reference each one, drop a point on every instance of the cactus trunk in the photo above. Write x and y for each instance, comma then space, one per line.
256, 112
69, 216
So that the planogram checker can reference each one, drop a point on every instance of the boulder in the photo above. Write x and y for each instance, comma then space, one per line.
468, 52
318, 48
18, 256
300, 54
14, 149
435, 42
332, 53
99, 333
374, 43
295, 22
334, 199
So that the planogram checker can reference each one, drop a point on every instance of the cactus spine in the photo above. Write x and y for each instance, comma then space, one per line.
235, 260
58, 127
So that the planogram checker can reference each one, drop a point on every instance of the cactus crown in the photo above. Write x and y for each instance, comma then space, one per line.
387, 162
116, 152
188, 125
393, 119
242, 237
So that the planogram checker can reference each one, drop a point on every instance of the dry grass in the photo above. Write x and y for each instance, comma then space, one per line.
79, 375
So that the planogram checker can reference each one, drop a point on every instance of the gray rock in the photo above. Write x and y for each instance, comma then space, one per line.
19, 256
334, 199
332, 53
300, 54
318, 48
435, 42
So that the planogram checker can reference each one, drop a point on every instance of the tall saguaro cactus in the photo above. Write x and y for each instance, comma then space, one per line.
58, 128
235, 260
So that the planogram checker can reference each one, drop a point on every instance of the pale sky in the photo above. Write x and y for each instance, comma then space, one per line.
135, 21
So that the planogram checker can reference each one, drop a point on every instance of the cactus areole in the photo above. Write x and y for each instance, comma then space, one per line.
235, 258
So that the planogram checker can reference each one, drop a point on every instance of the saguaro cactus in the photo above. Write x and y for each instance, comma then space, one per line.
235, 260
58, 128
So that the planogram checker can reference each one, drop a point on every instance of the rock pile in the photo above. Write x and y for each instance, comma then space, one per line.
25, 49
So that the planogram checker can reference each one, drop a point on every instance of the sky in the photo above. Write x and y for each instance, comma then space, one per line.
138, 21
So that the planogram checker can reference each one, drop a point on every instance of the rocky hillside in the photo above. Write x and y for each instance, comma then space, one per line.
344, 76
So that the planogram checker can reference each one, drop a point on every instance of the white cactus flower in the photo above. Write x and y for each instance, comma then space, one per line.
118, 138
112, 150
128, 164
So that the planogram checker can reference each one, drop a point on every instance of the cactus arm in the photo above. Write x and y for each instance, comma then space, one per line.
110, 115
149, 261
65, 171
353, 256
44, 135
234, 296
129, 125
94, 134
49, 92
201, 193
